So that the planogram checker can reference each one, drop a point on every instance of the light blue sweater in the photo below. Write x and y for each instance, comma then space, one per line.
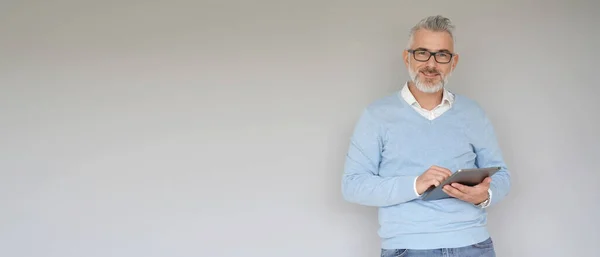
392, 144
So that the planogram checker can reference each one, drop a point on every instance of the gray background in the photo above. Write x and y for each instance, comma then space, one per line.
219, 128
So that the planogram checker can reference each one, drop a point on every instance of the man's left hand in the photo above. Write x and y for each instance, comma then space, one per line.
475, 194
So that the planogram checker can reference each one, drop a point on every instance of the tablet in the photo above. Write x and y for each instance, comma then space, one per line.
468, 177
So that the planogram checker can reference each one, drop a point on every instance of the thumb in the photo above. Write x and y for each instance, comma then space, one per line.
486, 182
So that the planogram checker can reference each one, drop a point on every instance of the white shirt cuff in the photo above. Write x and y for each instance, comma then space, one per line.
487, 203
415, 187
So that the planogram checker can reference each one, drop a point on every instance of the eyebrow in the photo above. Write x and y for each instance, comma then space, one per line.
441, 50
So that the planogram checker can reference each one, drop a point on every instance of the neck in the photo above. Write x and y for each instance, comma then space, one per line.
427, 101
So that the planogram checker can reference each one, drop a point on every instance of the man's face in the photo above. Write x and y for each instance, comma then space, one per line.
430, 75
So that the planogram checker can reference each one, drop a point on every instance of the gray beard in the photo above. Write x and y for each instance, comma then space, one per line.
427, 88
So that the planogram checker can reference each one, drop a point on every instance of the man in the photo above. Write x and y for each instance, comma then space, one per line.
415, 139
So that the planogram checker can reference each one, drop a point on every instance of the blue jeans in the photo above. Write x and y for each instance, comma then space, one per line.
482, 249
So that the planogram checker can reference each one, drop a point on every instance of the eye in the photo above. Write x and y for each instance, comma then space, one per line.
443, 55
421, 52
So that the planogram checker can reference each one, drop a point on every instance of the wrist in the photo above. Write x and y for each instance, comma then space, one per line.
487, 197
486, 201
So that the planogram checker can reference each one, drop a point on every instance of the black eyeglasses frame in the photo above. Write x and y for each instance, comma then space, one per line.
434, 54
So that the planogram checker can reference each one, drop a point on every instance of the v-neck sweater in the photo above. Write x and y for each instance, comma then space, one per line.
392, 145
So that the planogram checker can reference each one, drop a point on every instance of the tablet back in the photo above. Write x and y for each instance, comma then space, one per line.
468, 177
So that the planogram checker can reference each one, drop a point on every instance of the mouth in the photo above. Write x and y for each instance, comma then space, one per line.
430, 74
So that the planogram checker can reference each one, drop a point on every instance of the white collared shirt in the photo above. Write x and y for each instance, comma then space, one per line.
445, 105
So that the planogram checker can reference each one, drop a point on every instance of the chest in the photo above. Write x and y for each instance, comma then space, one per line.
412, 147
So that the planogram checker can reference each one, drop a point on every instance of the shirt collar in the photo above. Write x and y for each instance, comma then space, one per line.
447, 96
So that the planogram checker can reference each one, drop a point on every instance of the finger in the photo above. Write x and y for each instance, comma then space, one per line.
443, 175
485, 183
440, 170
462, 188
487, 180
440, 178
435, 182
451, 191
443, 170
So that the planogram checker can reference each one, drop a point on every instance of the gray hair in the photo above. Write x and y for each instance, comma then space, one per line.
436, 23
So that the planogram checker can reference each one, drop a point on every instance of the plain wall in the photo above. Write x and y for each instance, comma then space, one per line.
219, 128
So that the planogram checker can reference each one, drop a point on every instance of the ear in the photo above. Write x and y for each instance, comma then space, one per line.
405, 56
454, 61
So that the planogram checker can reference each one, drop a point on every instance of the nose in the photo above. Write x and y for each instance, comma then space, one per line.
431, 62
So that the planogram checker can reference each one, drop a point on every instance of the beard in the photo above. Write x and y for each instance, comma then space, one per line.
426, 86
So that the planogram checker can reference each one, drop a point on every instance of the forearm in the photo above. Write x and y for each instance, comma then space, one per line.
372, 190
361, 181
500, 186
489, 154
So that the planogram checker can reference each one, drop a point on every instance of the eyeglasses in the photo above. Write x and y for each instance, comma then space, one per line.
424, 55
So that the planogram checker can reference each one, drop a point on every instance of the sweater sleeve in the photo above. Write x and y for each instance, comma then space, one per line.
361, 182
489, 154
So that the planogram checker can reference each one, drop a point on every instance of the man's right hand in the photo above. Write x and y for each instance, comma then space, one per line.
434, 176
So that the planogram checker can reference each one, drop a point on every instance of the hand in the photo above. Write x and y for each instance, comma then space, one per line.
434, 176
475, 194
